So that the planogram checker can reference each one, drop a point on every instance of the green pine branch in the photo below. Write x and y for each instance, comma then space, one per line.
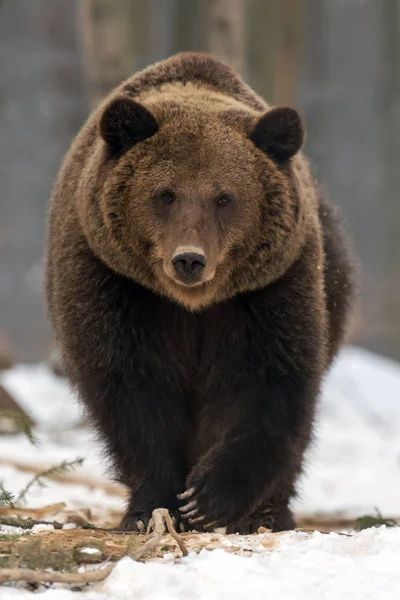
63, 467
368, 521
6, 497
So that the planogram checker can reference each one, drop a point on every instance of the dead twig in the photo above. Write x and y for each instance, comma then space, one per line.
33, 576
26, 523
13, 419
311, 531
160, 523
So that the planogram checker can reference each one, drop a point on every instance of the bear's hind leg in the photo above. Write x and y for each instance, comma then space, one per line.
277, 517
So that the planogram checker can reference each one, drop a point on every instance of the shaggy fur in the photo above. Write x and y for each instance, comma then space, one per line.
211, 383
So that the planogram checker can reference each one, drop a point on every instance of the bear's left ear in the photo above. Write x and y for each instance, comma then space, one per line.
124, 123
279, 133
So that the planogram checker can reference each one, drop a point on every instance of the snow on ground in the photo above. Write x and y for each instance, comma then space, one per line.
354, 464
353, 467
301, 567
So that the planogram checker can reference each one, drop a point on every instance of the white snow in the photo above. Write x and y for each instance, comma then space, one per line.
90, 550
352, 467
46, 398
40, 527
303, 567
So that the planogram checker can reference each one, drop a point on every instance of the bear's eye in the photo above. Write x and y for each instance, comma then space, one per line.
167, 197
224, 200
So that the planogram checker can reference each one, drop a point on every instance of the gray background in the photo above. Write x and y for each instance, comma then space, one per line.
347, 87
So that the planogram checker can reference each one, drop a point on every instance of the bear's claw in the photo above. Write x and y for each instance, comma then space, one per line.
188, 506
190, 510
197, 519
187, 494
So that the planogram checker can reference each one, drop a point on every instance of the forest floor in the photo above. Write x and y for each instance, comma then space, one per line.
56, 530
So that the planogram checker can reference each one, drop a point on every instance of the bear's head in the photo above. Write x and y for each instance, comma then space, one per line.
195, 197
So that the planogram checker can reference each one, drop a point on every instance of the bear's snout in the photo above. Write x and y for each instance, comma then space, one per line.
189, 265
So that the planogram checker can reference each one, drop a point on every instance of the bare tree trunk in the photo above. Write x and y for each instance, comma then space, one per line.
108, 43
161, 29
273, 48
262, 33
189, 25
390, 140
226, 31
287, 53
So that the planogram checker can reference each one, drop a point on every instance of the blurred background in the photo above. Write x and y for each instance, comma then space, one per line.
337, 61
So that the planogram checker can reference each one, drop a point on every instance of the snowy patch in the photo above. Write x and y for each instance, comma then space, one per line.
354, 463
304, 567
46, 398
90, 551
42, 527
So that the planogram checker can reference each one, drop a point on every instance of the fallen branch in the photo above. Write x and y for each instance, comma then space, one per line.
34, 513
33, 576
83, 479
28, 523
160, 522
37, 548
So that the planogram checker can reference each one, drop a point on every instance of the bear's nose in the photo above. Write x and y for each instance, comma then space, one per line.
189, 264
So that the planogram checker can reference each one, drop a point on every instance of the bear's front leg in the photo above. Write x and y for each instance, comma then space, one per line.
155, 491
143, 425
141, 505
243, 469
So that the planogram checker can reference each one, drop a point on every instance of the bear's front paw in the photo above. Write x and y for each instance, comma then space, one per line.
139, 521
216, 496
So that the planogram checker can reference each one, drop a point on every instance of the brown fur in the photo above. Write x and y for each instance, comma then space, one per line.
275, 290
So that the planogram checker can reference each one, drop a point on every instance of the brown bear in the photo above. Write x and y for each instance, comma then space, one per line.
199, 287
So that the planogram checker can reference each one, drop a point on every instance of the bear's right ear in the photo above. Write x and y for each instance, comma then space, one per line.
124, 123
279, 133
